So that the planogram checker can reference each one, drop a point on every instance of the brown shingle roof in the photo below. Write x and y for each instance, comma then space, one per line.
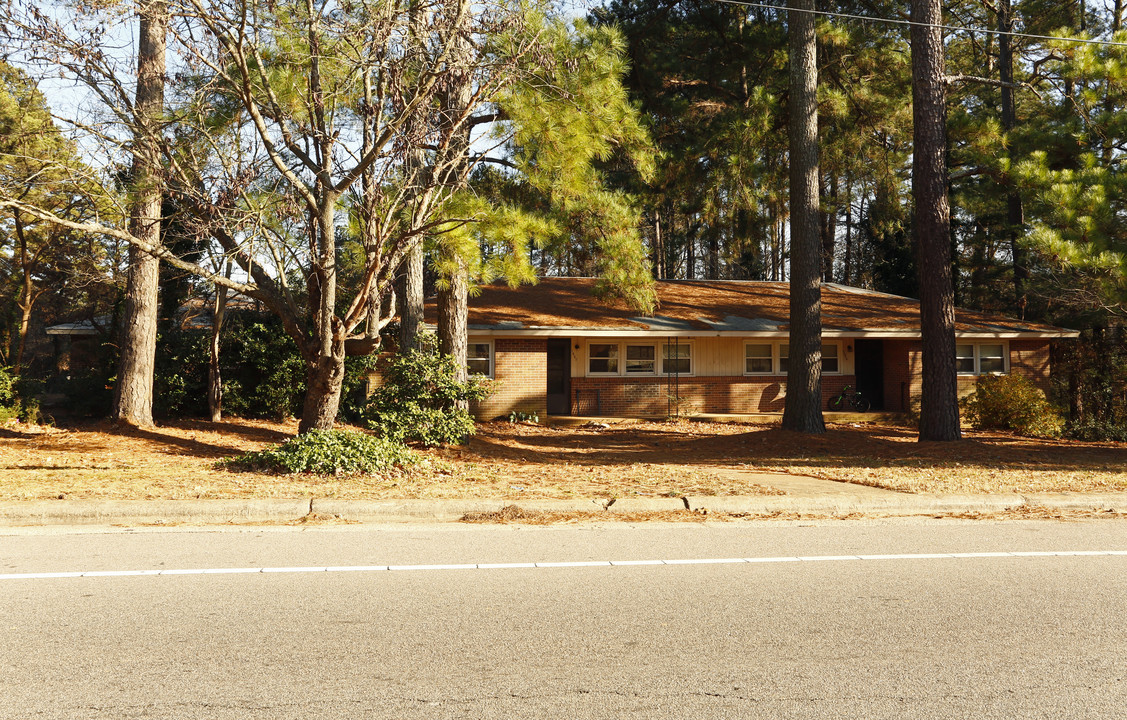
741, 307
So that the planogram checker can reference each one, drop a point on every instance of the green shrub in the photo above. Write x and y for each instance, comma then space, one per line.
1095, 431
327, 452
420, 400
1011, 402
262, 372
16, 398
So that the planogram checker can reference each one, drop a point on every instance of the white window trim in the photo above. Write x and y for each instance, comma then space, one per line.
656, 360
661, 358
492, 355
774, 358
620, 358
777, 361
978, 357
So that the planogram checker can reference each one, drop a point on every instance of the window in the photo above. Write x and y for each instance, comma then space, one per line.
991, 359
981, 358
479, 358
677, 359
640, 360
964, 359
757, 359
830, 359
602, 359
831, 362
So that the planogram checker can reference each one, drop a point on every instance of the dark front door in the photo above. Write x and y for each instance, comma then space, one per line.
868, 363
559, 377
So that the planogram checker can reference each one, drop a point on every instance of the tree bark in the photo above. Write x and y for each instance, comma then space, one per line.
411, 299
803, 409
324, 379
939, 407
214, 378
133, 394
453, 319
1015, 214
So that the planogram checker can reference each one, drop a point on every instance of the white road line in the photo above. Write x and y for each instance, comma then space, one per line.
574, 564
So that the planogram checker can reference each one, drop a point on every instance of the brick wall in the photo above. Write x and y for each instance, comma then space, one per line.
520, 367
620, 396
903, 369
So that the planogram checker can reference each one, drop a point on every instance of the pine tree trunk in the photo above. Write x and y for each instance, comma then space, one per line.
133, 394
411, 299
453, 319
803, 409
1015, 214
939, 408
829, 232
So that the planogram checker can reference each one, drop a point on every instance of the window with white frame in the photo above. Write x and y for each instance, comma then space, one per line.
479, 358
641, 359
758, 359
831, 363
831, 358
677, 358
602, 358
981, 358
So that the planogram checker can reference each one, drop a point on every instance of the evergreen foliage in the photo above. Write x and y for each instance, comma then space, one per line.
421, 401
327, 452
1011, 402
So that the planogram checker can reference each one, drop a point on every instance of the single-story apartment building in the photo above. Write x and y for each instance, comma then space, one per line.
717, 346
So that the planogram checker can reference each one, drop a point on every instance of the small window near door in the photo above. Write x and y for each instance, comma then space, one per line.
479, 358
757, 359
602, 358
640, 360
830, 361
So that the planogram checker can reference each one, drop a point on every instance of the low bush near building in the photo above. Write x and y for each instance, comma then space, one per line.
1011, 402
327, 452
421, 401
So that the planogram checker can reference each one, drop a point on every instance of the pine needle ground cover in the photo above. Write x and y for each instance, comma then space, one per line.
523, 460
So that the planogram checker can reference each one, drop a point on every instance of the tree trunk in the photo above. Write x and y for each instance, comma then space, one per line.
1015, 214
453, 318
411, 299
133, 394
324, 379
829, 232
803, 409
939, 407
214, 379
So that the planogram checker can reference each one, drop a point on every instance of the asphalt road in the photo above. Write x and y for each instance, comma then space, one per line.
922, 637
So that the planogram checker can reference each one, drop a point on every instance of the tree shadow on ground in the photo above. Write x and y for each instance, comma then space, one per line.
193, 438
840, 447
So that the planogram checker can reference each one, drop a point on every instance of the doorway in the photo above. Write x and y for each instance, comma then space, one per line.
559, 377
868, 364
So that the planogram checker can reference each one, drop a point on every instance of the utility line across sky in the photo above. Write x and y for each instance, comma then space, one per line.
952, 28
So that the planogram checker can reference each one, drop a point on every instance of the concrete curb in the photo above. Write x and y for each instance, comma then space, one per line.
221, 512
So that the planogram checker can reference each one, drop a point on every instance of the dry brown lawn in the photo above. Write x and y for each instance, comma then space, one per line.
512, 461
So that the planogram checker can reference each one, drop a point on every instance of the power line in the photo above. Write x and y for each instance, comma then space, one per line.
952, 28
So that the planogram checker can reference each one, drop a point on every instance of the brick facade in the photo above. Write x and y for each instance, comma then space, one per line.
520, 367
655, 396
903, 370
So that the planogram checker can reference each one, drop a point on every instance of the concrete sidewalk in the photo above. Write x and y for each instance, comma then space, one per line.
802, 496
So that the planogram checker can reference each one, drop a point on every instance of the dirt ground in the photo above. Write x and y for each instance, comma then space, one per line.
511, 461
